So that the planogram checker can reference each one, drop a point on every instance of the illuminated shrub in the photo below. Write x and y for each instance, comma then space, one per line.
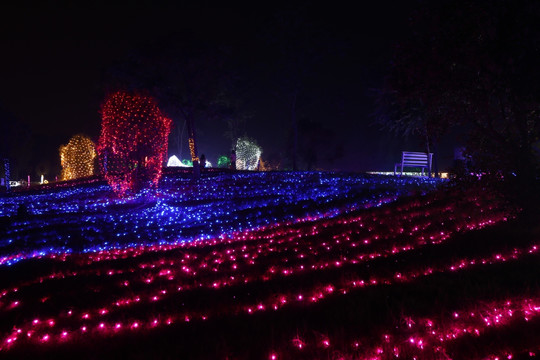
133, 141
77, 157
174, 162
247, 154
187, 163
223, 161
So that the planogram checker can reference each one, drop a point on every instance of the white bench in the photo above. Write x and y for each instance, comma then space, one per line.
414, 159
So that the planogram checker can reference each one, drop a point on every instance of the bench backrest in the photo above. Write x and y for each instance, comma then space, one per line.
411, 158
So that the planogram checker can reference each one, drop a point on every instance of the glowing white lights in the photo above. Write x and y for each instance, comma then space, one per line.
175, 162
248, 154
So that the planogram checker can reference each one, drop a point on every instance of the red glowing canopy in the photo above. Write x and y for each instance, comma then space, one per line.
133, 141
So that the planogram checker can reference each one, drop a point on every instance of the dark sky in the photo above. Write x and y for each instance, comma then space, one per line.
54, 55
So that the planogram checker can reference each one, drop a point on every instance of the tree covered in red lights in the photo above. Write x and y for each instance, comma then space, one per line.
133, 141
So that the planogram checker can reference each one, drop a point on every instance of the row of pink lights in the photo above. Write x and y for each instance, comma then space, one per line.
427, 336
278, 240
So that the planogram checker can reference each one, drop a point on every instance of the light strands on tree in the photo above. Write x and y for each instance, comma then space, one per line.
77, 157
248, 154
133, 141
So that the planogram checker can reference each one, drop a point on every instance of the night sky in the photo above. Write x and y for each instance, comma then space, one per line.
56, 57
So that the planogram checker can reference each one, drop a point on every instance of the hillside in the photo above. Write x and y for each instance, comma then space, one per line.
269, 266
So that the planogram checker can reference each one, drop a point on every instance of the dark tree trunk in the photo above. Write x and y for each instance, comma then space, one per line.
193, 147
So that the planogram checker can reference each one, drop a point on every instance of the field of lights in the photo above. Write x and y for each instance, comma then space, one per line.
268, 265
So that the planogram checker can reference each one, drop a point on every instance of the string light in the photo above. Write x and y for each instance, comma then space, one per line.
431, 338
192, 150
223, 161
340, 229
248, 154
179, 209
175, 162
133, 141
7, 174
77, 157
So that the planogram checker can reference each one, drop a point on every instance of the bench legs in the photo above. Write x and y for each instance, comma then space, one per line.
395, 168
400, 165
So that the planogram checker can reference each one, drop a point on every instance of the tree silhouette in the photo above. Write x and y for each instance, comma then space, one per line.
317, 143
193, 82
471, 64
300, 48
